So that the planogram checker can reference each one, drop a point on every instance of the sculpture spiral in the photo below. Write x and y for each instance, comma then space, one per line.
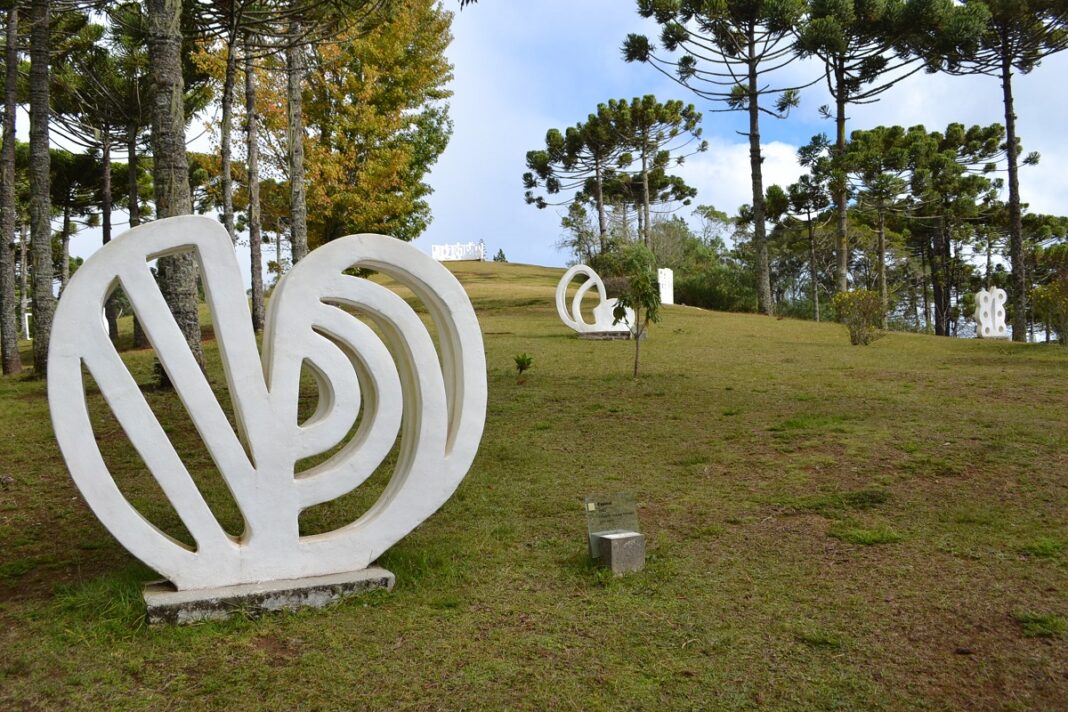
603, 316
436, 404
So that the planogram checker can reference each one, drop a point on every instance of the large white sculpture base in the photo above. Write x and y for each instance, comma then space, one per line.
666, 279
990, 314
165, 604
385, 382
604, 320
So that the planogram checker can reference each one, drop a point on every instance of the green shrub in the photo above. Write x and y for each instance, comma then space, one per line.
1050, 302
523, 361
862, 312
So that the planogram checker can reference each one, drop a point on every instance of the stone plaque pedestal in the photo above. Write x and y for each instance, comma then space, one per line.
166, 605
622, 552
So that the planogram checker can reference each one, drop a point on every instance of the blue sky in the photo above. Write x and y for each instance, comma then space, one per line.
522, 68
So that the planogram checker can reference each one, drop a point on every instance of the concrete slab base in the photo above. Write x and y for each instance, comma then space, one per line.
605, 336
622, 552
165, 604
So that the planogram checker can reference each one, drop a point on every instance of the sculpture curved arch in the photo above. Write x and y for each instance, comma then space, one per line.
603, 312
434, 397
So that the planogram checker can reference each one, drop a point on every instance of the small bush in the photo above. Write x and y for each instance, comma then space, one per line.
523, 361
862, 312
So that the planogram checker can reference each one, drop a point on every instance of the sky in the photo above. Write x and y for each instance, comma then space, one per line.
523, 68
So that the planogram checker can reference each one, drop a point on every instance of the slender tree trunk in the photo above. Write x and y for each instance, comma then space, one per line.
637, 333
140, 339
602, 216
177, 273
111, 309
224, 136
24, 279
884, 297
841, 194
939, 287
255, 240
40, 202
9, 321
1019, 283
132, 190
760, 242
645, 191
64, 250
925, 282
297, 199
813, 277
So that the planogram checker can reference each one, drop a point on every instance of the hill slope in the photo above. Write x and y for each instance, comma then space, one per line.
829, 527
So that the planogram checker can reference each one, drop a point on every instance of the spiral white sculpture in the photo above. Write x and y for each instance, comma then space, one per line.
437, 405
604, 320
990, 313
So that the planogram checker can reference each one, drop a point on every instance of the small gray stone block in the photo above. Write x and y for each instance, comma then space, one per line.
164, 604
622, 552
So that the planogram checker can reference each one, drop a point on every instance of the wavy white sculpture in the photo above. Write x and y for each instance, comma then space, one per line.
437, 406
990, 313
603, 318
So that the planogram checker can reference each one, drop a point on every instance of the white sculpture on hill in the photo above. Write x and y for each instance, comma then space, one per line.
990, 313
603, 317
385, 380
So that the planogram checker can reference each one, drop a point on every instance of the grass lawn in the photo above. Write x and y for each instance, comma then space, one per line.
829, 527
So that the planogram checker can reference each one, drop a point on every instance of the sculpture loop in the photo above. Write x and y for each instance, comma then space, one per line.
990, 313
604, 320
385, 380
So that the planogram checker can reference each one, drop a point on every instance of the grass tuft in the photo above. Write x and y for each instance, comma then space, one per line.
1036, 625
1044, 548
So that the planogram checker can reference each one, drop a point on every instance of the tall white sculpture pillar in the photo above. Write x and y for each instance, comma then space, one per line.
666, 278
990, 314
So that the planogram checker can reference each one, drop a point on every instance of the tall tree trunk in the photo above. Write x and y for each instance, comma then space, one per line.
813, 277
224, 136
133, 198
598, 196
297, 199
841, 193
1019, 283
24, 280
760, 242
40, 202
939, 288
255, 240
9, 321
177, 273
645, 191
884, 298
64, 250
926, 283
132, 190
111, 309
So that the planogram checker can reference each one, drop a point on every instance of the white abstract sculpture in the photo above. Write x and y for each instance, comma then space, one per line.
666, 279
438, 407
459, 251
990, 313
603, 318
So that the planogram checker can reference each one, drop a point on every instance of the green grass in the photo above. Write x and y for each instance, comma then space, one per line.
1035, 625
746, 442
865, 537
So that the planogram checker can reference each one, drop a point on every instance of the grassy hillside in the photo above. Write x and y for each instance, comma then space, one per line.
829, 527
